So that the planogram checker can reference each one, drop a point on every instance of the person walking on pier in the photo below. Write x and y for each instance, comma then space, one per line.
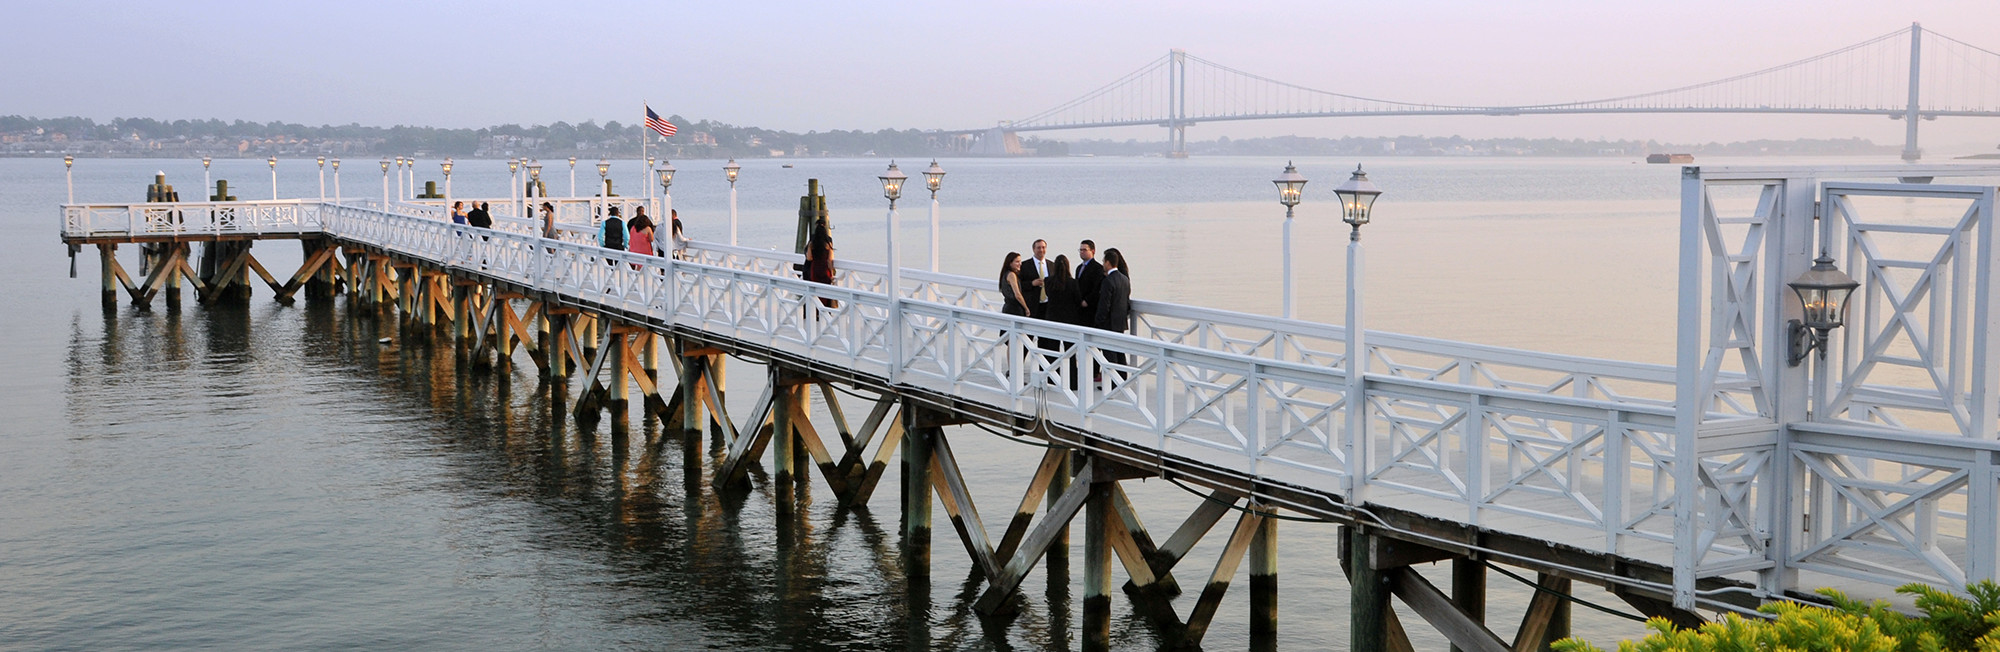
1114, 301
549, 220
680, 240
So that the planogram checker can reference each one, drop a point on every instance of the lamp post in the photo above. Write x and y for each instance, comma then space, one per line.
572, 176
642, 178
514, 186
1357, 198
446, 166
322, 178
336, 181
385, 183
274, 176
1291, 186
934, 177
666, 172
892, 188
69, 176
399, 180
410, 172
534, 179
731, 168
204, 174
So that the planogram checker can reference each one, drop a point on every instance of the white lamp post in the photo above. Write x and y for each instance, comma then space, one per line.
274, 176
204, 174
1291, 185
69, 176
1357, 198
572, 176
400, 195
336, 181
514, 186
410, 172
534, 179
322, 178
667, 195
385, 183
642, 178
446, 165
934, 177
730, 169
892, 188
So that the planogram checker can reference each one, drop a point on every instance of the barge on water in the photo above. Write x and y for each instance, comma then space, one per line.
1669, 158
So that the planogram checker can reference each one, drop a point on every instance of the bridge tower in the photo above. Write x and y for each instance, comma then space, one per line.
1177, 104
1910, 150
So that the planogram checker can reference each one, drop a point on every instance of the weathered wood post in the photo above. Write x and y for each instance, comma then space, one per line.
1097, 567
107, 257
1368, 606
1264, 576
691, 389
916, 492
784, 443
1056, 560
1468, 589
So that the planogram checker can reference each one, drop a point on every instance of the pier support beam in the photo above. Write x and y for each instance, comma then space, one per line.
1264, 579
916, 492
1468, 590
1368, 602
1097, 567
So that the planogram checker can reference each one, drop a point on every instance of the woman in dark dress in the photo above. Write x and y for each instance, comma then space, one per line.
1065, 307
1012, 301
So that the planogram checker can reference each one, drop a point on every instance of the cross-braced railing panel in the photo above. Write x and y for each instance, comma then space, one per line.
1909, 357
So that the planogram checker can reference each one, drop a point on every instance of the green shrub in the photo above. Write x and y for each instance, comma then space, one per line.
1948, 623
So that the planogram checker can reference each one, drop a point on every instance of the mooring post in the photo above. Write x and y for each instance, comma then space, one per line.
1368, 608
916, 492
1468, 589
1264, 576
1097, 567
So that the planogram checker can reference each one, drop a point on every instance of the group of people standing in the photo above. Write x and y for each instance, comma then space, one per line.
476, 217
1088, 293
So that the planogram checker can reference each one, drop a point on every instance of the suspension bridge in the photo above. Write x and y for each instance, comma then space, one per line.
1911, 74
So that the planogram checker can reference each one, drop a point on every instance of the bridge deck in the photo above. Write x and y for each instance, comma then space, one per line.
1557, 463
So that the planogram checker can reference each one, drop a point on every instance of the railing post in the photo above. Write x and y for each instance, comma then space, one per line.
1690, 393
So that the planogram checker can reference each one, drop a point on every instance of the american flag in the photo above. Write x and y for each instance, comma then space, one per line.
654, 122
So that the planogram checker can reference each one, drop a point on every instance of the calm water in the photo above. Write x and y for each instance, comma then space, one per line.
270, 477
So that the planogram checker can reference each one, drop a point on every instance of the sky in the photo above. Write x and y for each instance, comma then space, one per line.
954, 65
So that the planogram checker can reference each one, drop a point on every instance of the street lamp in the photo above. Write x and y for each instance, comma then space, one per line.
1357, 197
514, 185
534, 178
385, 183
410, 173
274, 176
322, 178
69, 176
666, 192
572, 176
204, 174
336, 181
400, 194
1823, 292
642, 176
730, 169
934, 177
1291, 185
446, 165
892, 188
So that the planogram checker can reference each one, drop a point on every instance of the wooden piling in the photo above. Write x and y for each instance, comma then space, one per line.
1368, 605
1468, 589
1264, 578
1097, 567
784, 440
106, 261
916, 493
1058, 553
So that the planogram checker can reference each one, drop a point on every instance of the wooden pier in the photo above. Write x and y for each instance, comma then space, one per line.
1577, 472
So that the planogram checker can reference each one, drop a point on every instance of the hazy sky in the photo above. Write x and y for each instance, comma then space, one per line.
869, 65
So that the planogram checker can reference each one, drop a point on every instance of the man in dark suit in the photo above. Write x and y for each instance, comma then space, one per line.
479, 217
1114, 303
1033, 270
1089, 277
